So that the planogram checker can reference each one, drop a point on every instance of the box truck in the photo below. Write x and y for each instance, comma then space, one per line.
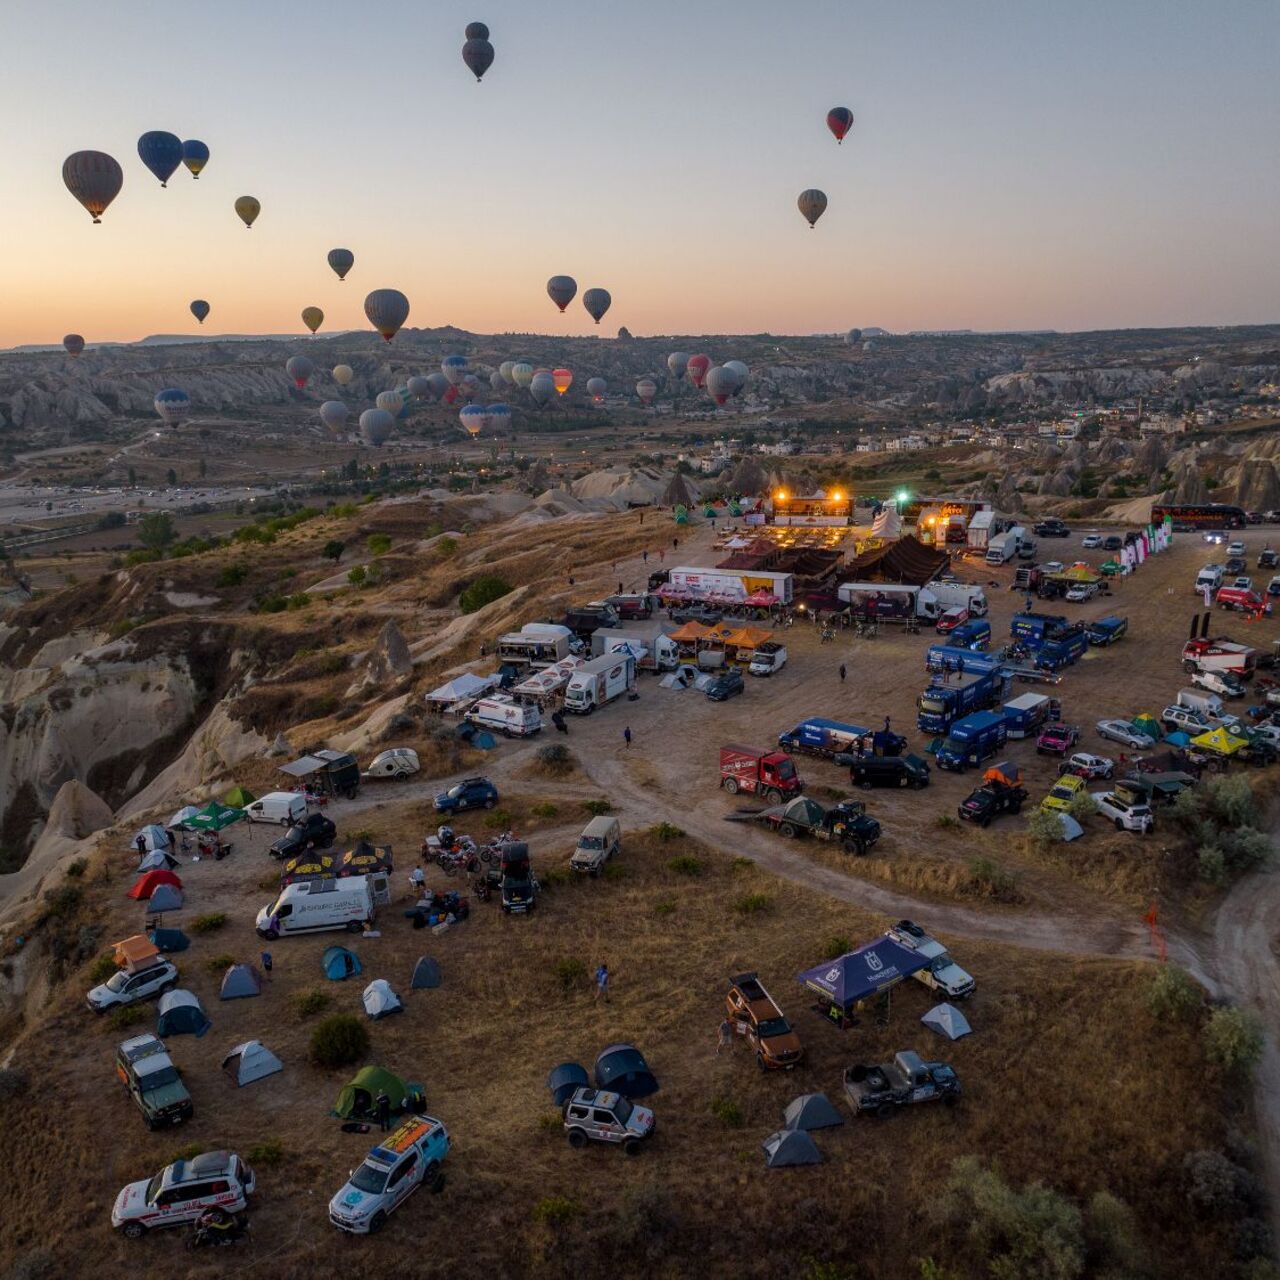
972, 740
940, 705
536, 645
693, 584
1004, 546
599, 681
1024, 714
960, 595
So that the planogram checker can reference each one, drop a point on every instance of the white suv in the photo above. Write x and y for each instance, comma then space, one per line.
1128, 815
941, 973
391, 1172
1176, 717
128, 988
180, 1193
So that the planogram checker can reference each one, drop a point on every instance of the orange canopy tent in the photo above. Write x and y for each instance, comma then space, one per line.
743, 637
691, 633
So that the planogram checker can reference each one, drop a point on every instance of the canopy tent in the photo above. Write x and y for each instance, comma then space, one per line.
148, 883
164, 897
1178, 738
864, 972
1109, 568
169, 940
181, 1014
690, 633
215, 816
183, 816
947, 1021
741, 637
365, 859
153, 837
564, 1079
811, 1111
1077, 572
359, 1097
790, 1147
1148, 724
157, 860
137, 952
307, 866
887, 524
240, 981
1221, 741
249, 1062
1005, 772
426, 974
339, 964
239, 798
908, 560
380, 1001
461, 689
622, 1068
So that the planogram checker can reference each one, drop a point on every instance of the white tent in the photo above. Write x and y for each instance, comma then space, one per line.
888, 524
179, 819
251, 1061
380, 1000
462, 688
947, 1021
155, 837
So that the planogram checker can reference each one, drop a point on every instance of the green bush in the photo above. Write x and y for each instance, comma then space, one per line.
447, 546
752, 904
64, 901
686, 865
298, 600
128, 1015
947, 821
1082, 805
543, 809
728, 1112
210, 922
553, 877
1044, 828
664, 907
597, 807
102, 968
218, 965
77, 868
232, 575
991, 879
570, 972
555, 1211
340, 1040
1233, 1039
357, 576
665, 831
498, 820
379, 544
1173, 996
484, 590
266, 1154
836, 945
308, 1003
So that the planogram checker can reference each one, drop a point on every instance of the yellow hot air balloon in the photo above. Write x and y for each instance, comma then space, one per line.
248, 208
312, 317
563, 380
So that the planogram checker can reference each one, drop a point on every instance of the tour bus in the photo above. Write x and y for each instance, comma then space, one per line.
1187, 517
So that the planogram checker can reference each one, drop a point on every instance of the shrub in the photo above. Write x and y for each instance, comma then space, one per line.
665, 831
267, 1153
102, 968
664, 907
597, 807
728, 1112
553, 877
1082, 805
484, 590
686, 865
357, 576
613, 871
232, 575
743, 864
128, 1015
298, 600
947, 821
1173, 996
498, 819
992, 879
1112, 1235
333, 550
570, 972
339, 1040
218, 965
836, 945
555, 1211
1215, 1185
64, 901
77, 868
555, 757
543, 809
550, 1120
308, 1003
1246, 848
1211, 865
379, 544
752, 904
447, 546
1233, 1039
211, 921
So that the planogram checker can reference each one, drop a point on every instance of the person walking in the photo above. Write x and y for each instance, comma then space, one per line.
602, 982
646, 556
626, 736
843, 673
384, 1110
724, 1036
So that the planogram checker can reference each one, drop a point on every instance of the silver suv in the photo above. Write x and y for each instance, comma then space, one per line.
128, 988
600, 1116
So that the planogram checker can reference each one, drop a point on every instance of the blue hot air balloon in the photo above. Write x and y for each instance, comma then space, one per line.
172, 405
454, 368
195, 155
499, 416
161, 152
341, 260
200, 309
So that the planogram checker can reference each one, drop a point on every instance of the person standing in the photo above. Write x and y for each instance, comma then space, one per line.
843, 673
626, 736
267, 962
141, 845
417, 879
724, 1037
384, 1110
646, 556
602, 982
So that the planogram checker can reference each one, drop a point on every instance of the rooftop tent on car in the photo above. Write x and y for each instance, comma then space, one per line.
379, 999
790, 1147
249, 1062
359, 1096
622, 1069
565, 1079
164, 898
339, 963
240, 981
426, 974
181, 1014
811, 1111
947, 1021
136, 953
149, 881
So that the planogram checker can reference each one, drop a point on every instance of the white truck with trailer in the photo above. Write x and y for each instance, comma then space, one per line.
312, 906
652, 648
690, 583
599, 682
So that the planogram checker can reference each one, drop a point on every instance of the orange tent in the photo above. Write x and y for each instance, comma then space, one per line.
147, 884
744, 637
691, 633
136, 952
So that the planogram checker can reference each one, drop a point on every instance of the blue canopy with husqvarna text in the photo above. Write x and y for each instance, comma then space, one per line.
861, 973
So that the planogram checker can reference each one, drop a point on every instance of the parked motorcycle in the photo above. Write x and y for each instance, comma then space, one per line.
214, 1228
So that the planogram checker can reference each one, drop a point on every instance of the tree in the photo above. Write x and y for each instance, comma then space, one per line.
133, 478
156, 531
1173, 996
1233, 1039
484, 590
333, 550
171, 477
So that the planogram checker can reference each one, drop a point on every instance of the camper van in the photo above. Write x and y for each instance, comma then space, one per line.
510, 718
395, 762
284, 807
310, 906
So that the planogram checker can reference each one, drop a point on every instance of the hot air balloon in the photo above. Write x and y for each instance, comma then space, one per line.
333, 413
454, 368
376, 425
387, 310
563, 380
499, 417
597, 302
740, 373
450, 394
200, 309
341, 260
390, 401
677, 363
698, 366
542, 388
342, 374
172, 405
473, 418
839, 121
439, 384
195, 155
812, 204
853, 337
646, 389
522, 373
74, 344
496, 380
419, 387
596, 388
720, 384
505, 369
94, 178
469, 386
561, 290
312, 317
161, 152
477, 53
248, 208
299, 368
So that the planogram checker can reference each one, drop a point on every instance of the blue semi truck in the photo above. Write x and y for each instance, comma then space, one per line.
821, 737
1054, 641
942, 703
974, 634
1106, 630
971, 740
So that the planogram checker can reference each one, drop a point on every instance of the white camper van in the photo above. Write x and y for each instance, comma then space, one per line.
284, 807
507, 716
315, 905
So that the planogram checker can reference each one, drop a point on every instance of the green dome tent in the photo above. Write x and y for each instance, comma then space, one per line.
360, 1096
239, 798
682, 515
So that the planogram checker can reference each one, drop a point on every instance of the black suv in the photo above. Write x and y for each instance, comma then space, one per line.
889, 771
725, 686
315, 831
1052, 529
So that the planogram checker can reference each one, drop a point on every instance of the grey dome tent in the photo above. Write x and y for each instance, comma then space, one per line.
947, 1021
339, 963
239, 981
251, 1061
165, 898
181, 1014
380, 1001
153, 837
811, 1111
157, 860
564, 1079
788, 1147
622, 1068
168, 940
426, 973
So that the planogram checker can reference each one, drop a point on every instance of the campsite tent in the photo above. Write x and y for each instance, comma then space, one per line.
426, 973
947, 1021
164, 897
149, 882
622, 1068
241, 981
215, 816
168, 940
1148, 724
157, 860
811, 1111
1221, 741
307, 866
251, 1061
359, 1096
239, 798
379, 1000
862, 973
788, 1147
182, 1014
564, 1079
888, 523
462, 688
339, 963
154, 836
183, 816
136, 953
365, 859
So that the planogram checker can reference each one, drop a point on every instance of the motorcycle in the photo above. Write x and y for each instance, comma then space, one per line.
450, 861
492, 851
215, 1228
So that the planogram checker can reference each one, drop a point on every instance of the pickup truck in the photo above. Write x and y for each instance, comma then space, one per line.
1155, 786
1057, 739
154, 1083
900, 1083
941, 973
991, 800
753, 1009
845, 823
1223, 683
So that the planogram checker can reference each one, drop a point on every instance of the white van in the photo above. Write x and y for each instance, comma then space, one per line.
284, 807
503, 713
1210, 576
315, 905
